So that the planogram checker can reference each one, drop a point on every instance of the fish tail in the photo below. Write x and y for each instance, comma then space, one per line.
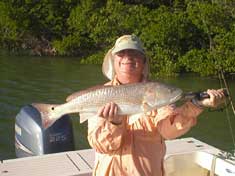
48, 113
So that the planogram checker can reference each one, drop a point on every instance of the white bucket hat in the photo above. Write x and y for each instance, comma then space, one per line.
122, 43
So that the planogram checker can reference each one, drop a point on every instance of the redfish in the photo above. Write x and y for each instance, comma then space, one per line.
131, 99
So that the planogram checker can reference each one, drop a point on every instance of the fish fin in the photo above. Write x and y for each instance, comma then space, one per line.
48, 116
85, 116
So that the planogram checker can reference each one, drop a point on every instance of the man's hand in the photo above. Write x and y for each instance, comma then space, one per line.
110, 113
217, 97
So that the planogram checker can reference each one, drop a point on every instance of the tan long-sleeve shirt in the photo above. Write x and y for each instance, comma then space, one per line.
137, 147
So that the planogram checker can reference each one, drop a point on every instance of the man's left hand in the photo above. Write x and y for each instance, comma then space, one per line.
217, 97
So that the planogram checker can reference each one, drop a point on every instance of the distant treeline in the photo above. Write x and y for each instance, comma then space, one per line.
178, 35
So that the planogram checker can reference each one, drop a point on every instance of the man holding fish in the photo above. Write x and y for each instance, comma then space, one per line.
134, 144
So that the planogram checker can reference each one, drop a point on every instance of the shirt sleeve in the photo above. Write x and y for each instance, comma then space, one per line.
103, 136
173, 122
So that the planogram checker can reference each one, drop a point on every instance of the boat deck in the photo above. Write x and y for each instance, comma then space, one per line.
81, 162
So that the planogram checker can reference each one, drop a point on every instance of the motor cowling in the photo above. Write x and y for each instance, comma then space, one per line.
32, 139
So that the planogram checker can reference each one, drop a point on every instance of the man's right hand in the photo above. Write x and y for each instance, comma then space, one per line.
110, 113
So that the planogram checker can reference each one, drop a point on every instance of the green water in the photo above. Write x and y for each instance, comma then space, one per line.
24, 80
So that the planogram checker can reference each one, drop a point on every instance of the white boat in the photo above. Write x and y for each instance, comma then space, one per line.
190, 157
184, 157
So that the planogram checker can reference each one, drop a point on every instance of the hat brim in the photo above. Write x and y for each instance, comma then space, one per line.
107, 66
127, 46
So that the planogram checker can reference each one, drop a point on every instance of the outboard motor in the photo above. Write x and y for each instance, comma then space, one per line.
31, 139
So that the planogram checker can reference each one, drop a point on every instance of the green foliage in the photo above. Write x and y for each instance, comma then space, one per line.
199, 61
116, 19
42, 18
215, 20
162, 64
181, 35
95, 27
78, 41
225, 51
169, 30
8, 28
169, 36
210, 18
94, 59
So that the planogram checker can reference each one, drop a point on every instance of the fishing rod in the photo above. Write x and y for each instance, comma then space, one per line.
228, 92
222, 77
